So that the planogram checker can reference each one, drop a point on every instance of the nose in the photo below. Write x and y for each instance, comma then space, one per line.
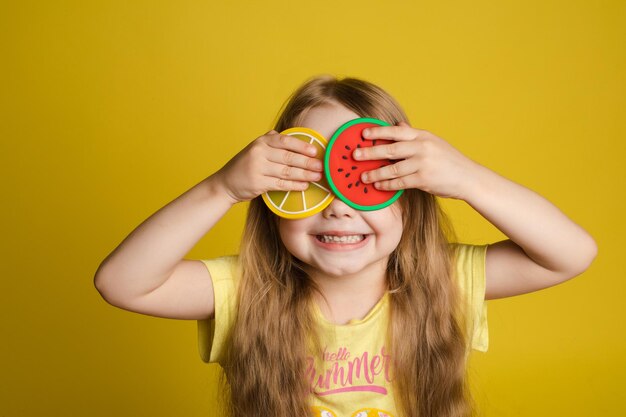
338, 209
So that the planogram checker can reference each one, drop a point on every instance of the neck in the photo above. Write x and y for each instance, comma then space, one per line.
350, 295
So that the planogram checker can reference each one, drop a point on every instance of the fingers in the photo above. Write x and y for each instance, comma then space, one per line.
280, 184
399, 132
399, 169
395, 150
278, 177
405, 141
292, 173
276, 162
294, 152
294, 159
402, 183
291, 143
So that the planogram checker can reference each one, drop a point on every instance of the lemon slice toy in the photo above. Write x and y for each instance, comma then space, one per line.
299, 204
344, 172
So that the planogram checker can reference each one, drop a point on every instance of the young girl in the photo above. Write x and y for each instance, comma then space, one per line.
379, 323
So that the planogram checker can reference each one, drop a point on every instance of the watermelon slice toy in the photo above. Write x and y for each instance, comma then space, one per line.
343, 172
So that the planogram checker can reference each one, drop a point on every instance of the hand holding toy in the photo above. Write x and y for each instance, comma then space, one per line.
296, 204
271, 162
342, 173
428, 162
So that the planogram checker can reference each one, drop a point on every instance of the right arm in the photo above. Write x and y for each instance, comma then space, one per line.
147, 274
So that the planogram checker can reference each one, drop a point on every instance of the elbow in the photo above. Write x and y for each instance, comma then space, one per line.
107, 295
98, 284
104, 289
98, 281
590, 253
585, 258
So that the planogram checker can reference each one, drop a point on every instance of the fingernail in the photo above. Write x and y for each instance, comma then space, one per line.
364, 177
357, 154
366, 132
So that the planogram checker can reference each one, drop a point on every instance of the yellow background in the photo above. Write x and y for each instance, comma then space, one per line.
111, 109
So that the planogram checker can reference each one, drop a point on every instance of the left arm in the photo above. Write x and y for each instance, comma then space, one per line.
545, 247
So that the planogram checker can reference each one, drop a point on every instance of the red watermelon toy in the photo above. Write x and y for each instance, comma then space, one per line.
344, 172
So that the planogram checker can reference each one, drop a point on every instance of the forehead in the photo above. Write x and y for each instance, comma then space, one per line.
327, 118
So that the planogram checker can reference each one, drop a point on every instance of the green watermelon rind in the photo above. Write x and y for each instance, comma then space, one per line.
329, 178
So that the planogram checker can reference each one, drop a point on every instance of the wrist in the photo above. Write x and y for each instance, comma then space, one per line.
216, 189
477, 182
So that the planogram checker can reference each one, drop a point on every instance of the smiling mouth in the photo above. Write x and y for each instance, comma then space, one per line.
351, 239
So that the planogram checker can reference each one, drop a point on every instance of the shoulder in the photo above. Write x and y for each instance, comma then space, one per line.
212, 333
223, 267
468, 255
469, 262
470, 275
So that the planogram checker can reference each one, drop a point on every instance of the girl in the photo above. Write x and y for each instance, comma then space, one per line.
379, 323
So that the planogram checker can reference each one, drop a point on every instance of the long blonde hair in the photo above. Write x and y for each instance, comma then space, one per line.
275, 296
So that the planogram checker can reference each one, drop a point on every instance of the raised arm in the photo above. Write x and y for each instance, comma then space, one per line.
154, 252
147, 274
544, 248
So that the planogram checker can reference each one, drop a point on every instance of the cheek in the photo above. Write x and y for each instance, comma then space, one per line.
393, 232
385, 221
291, 234
285, 232
391, 229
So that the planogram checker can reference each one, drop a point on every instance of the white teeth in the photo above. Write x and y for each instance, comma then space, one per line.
342, 239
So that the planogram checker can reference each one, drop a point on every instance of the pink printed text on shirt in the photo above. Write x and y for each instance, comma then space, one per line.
342, 374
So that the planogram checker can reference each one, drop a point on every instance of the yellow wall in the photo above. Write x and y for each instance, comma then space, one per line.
111, 109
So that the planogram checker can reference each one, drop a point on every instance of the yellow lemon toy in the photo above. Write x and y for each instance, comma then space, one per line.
299, 204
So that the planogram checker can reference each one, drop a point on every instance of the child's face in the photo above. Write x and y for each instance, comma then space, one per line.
382, 228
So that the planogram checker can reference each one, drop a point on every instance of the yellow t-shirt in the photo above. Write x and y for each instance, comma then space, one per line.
354, 380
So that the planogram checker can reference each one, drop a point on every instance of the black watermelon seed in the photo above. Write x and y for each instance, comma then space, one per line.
347, 175
350, 185
340, 170
353, 168
347, 147
357, 183
358, 145
365, 190
374, 142
344, 157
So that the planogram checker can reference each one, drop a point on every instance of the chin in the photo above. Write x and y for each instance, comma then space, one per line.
339, 271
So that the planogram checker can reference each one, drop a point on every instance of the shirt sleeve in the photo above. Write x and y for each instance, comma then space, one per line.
470, 268
212, 332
